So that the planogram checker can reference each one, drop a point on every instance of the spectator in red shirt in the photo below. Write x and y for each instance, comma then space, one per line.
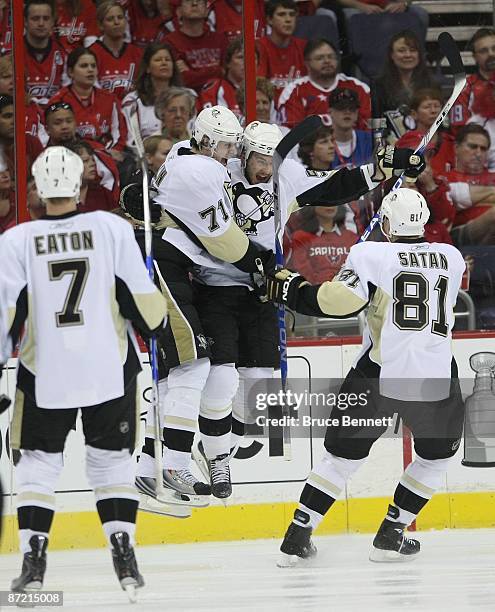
223, 91
157, 72
321, 244
309, 95
7, 199
44, 55
265, 108
146, 20
93, 195
176, 108
98, 113
156, 149
281, 53
226, 16
198, 51
76, 23
5, 27
472, 188
117, 60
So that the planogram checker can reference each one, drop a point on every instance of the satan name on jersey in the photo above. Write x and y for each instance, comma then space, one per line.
410, 259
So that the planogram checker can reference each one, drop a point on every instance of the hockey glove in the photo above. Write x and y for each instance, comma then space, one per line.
283, 287
131, 202
4, 403
390, 161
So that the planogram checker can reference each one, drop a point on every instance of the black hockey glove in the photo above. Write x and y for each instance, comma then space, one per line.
4, 403
283, 287
390, 161
131, 202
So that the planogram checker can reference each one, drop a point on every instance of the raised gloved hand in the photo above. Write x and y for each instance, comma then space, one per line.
131, 202
283, 287
391, 161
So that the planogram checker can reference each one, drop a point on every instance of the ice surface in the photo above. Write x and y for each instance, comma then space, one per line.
454, 572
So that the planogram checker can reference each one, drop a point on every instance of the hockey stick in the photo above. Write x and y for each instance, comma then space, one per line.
288, 142
451, 52
155, 403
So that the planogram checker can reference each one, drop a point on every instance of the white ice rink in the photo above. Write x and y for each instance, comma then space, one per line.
455, 571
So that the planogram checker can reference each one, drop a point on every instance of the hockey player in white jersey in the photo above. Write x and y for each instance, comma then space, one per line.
406, 366
194, 190
76, 282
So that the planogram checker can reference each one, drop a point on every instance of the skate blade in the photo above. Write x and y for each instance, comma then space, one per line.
153, 506
129, 585
172, 497
377, 555
290, 560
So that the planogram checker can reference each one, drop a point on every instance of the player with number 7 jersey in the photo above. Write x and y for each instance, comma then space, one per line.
405, 366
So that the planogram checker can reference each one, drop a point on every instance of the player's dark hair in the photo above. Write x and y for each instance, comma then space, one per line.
313, 45
471, 128
143, 83
30, 3
273, 5
75, 55
306, 147
481, 33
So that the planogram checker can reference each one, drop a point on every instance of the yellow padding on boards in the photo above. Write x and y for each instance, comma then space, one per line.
73, 530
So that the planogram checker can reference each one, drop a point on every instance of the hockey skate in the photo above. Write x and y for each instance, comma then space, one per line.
218, 471
125, 564
33, 566
185, 489
391, 545
297, 545
148, 501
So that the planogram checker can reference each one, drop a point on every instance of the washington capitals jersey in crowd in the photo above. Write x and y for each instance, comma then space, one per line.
411, 289
117, 74
45, 70
75, 281
219, 92
303, 97
476, 99
75, 30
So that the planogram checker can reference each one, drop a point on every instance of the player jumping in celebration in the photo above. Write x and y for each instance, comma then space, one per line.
206, 227
77, 282
405, 366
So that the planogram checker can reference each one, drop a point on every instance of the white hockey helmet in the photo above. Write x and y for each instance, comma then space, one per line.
57, 172
407, 213
219, 124
260, 137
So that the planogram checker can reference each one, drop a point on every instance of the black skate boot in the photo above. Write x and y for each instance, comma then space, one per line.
125, 564
33, 566
297, 545
219, 468
391, 545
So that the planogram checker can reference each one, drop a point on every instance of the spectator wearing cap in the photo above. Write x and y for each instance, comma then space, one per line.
198, 51
309, 94
157, 72
116, 59
472, 188
222, 91
281, 53
352, 147
44, 56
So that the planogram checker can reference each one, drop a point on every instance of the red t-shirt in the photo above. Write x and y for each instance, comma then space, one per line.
203, 54
282, 65
116, 74
101, 119
318, 257
221, 92
303, 97
72, 30
223, 17
45, 71
485, 178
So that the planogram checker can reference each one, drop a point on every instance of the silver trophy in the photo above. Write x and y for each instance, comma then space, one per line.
479, 423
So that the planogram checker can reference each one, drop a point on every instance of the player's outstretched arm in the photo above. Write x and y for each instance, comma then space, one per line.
330, 299
346, 184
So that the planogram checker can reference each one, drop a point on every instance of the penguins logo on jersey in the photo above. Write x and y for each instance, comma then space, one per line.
252, 205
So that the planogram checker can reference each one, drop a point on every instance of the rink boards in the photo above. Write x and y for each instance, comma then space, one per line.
266, 486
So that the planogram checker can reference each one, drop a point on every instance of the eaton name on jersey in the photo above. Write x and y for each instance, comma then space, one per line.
63, 242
